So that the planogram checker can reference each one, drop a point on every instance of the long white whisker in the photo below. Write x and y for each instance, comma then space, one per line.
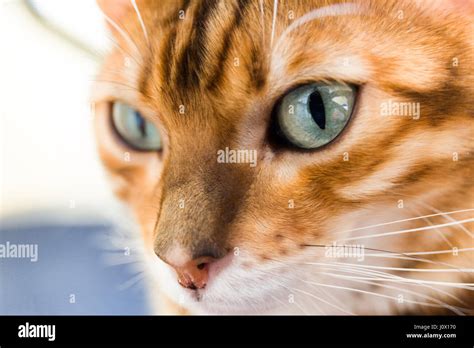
324, 292
132, 281
371, 293
410, 230
113, 261
306, 293
327, 11
275, 15
356, 268
404, 220
428, 270
392, 278
401, 256
415, 259
121, 49
122, 32
322, 300
355, 279
262, 19
140, 19
297, 304
441, 234
449, 218
425, 252
319, 290
386, 277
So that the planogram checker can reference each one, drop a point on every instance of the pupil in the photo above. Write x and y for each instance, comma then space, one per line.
140, 124
316, 107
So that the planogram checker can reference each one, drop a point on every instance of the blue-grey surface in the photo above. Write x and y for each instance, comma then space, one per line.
70, 262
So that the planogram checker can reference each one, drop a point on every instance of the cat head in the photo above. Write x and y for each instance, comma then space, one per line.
247, 136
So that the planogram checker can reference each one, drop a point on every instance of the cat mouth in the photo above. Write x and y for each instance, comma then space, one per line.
231, 288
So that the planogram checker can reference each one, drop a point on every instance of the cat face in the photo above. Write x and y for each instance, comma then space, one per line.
252, 138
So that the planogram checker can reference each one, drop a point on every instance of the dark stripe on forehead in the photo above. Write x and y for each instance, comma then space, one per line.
169, 49
167, 55
216, 75
185, 5
257, 73
190, 62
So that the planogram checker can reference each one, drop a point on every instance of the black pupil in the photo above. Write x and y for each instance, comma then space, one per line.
141, 124
316, 107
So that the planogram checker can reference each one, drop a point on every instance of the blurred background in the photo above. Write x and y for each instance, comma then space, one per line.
53, 192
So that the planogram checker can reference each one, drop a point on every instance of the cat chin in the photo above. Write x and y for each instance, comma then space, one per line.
211, 302
235, 291
213, 308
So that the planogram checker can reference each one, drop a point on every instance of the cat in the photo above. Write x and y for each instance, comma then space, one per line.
358, 117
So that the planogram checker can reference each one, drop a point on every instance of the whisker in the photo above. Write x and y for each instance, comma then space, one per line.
441, 303
132, 281
122, 33
116, 261
275, 14
427, 252
409, 230
356, 268
327, 11
386, 277
324, 292
352, 268
440, 234
319, 309
262, 20
125, 52
404, 220
297, 304
449, 218
140, 19
291, 289
416, 259
428, 270
372, 293
394, 255
128, 87
322, 300
443, 214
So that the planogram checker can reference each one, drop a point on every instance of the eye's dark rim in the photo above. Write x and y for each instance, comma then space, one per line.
276, 138
119, 136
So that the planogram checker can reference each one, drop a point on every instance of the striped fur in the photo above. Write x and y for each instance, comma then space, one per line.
221, 65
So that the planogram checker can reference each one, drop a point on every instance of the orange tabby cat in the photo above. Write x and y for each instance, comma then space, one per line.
294, 156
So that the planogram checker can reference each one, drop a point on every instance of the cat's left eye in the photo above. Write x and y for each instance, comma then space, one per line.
134, 129
313, 115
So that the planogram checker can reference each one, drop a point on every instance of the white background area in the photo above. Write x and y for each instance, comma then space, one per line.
48, 160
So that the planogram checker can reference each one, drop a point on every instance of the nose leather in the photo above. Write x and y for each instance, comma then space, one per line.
195, 273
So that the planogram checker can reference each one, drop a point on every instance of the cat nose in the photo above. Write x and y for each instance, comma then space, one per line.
195, 273
192, 273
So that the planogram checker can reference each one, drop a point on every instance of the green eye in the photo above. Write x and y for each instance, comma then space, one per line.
134, 129
313, 115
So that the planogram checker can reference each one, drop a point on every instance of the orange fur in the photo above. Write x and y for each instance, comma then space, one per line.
400, 50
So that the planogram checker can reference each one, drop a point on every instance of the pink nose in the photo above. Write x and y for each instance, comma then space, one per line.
195, 273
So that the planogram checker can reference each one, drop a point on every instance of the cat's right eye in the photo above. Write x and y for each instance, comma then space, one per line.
313, 115
134, 129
